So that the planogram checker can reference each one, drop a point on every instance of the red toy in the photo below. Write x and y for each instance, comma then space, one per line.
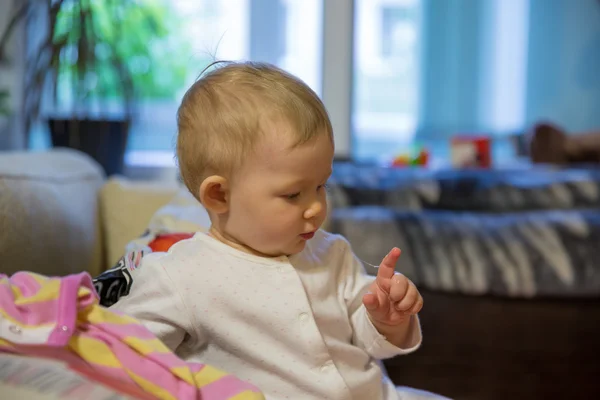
471, 151
163, 242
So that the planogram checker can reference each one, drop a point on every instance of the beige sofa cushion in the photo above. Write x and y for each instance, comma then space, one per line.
183, 214
49, 219
127, 207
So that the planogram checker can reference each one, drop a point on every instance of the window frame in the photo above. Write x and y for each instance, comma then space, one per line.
336, 92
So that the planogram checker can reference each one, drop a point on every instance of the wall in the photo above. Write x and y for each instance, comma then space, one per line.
11, 77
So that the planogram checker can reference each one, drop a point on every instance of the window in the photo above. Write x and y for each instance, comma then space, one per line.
286, 33
386, 75
428, 70
395, 73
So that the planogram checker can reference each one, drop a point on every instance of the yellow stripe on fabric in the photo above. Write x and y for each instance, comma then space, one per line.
247, 395
83, 291
150, 387
41, 279
146, 346
208, 375
16, 291
48, 291
6, 343
184, 374
100, 315
94, 351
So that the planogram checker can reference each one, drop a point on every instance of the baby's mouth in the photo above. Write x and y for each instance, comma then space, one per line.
307, 236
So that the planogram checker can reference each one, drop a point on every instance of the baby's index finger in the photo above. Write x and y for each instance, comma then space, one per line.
387, 267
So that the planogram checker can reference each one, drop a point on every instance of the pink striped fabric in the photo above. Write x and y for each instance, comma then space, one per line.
60, 318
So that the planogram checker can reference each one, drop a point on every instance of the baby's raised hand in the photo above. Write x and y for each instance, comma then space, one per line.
392, 297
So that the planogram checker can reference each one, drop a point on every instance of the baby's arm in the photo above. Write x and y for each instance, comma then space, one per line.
156, 303
380, 343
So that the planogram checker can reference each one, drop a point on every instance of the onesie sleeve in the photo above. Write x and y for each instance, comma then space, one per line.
155, 301
355, 282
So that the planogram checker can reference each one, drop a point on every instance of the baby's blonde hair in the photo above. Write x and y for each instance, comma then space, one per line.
223, 113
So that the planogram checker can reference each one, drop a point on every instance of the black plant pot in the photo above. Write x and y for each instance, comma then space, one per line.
104, 140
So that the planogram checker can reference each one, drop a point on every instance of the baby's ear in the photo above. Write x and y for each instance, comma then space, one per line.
214, 194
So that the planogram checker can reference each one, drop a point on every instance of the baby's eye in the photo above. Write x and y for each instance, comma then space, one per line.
292, 196
323, 186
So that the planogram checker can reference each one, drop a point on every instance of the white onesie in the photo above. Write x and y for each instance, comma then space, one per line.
293, 326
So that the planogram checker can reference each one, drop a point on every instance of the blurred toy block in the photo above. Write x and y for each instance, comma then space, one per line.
471, 152
409, 160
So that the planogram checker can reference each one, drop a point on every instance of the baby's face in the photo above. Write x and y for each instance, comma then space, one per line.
277, 199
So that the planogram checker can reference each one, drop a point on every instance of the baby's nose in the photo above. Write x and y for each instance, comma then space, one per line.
315, 209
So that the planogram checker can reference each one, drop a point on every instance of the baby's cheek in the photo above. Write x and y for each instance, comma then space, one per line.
280, 228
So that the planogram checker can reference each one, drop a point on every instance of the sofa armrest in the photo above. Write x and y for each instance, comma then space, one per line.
49, 214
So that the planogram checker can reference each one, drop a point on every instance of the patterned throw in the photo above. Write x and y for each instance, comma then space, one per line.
60, 319
508, 233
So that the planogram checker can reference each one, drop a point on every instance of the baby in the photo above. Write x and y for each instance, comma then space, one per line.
265, 294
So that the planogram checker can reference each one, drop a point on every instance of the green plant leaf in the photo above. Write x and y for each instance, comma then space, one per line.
135, 35
99, 51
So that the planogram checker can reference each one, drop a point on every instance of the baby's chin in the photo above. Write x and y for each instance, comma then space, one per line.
287, 251
297, 248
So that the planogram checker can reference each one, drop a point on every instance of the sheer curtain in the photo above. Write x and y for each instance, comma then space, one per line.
490, 67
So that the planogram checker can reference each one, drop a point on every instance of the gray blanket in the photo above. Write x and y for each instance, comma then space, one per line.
476, 190
551, 253
511, 233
